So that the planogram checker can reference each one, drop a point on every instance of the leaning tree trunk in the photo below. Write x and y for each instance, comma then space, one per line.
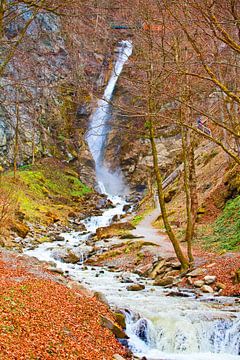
183, 260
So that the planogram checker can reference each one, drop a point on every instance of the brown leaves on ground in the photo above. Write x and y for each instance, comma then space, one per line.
43, 319
222, 266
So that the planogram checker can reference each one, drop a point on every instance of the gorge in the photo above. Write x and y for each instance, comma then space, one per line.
119, 180
159, 327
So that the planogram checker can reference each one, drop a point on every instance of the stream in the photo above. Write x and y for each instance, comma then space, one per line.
158, 326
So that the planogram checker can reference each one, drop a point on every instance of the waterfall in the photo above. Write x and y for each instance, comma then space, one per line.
108, 182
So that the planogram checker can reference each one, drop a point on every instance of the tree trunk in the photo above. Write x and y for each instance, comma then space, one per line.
184, 262
16, 141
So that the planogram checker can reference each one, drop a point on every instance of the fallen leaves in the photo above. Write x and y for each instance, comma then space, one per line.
43, 319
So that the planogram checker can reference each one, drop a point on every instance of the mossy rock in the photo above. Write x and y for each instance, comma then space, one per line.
120, 319
20, 228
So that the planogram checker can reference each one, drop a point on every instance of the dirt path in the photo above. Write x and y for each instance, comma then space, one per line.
146, 229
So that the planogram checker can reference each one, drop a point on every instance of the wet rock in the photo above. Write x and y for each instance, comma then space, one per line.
70, 257
164, 281
207, 289
197, 272
135, 287
126, 207
177, 294
198, 283
209, 279
115, 329
58, 238
120, 319
113, 230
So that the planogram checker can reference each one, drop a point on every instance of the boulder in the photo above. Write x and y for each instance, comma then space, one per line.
20, 228
113, 230
168, 280
207, 289
209, 279
114, 328
220, 286
198, 283
71, 258
157, 268
135, 287
120, 319
197, 272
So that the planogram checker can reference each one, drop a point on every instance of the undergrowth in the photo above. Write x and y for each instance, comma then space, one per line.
226, 229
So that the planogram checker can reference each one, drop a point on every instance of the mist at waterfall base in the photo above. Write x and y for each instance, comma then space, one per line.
158, 326
110, 183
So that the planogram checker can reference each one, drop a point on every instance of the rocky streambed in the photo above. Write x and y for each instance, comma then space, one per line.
163, 320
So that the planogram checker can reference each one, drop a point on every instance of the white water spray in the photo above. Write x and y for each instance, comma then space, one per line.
108, 182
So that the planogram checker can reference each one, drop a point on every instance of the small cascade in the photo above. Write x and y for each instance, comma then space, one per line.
186, 334
108, 182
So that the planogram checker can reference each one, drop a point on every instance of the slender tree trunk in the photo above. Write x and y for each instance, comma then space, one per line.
16, 141
171, 235
2, 11
193, 184
186, 172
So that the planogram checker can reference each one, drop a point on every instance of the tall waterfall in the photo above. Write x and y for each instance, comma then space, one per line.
108, 182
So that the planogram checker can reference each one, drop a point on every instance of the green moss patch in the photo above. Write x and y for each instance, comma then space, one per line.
50, 188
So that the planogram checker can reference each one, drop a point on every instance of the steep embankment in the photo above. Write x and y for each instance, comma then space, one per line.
42, 201
44, 316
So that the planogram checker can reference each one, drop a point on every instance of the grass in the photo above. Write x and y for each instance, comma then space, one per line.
226, 229
44, 189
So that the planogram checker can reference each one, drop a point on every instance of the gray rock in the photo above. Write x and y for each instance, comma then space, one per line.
209, 279
198, 283
207, 289
135, 287
197, 272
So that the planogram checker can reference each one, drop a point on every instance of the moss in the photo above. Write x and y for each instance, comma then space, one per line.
45, 189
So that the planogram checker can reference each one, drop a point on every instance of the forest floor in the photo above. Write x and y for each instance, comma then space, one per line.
43, 316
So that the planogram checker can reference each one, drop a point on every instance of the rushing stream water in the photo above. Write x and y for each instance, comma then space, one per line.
158, 326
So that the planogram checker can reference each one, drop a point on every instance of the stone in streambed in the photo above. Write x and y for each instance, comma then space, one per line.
120, 319
113, 230
207, 289
164, 281
114, 328
135, 287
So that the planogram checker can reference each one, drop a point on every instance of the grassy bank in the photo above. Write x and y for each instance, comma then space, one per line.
41, 194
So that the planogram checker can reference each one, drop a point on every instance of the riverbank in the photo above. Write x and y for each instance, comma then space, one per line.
45, 316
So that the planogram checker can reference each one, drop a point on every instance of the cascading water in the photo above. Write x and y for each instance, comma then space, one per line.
158, 326
108, 182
